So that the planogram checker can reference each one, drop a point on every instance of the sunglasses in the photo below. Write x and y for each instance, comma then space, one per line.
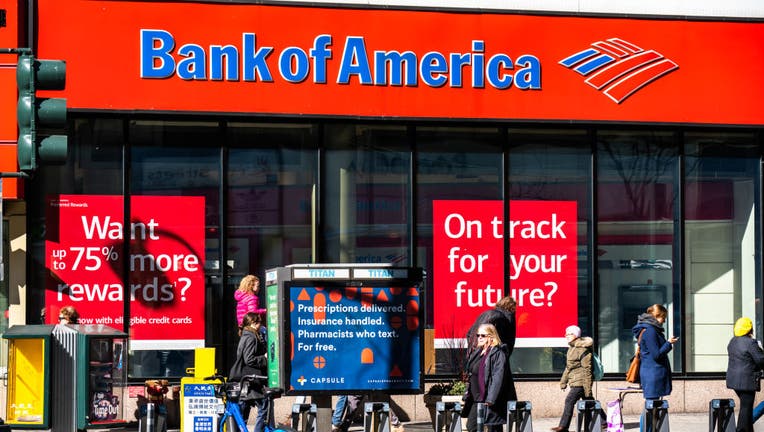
482, 335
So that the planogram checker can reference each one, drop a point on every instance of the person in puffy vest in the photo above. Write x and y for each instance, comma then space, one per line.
577, 375
746, 359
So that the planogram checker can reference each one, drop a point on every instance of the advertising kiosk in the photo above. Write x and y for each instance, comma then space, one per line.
345, 329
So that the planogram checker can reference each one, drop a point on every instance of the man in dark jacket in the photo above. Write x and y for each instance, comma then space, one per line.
746, 359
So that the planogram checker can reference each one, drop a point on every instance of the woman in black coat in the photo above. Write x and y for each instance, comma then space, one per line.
251, 360
487, 366
746, 359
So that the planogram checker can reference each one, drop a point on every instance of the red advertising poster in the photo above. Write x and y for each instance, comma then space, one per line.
84, 256
468, 259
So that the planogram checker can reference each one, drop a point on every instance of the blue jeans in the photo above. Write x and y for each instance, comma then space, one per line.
338, 410
263, 407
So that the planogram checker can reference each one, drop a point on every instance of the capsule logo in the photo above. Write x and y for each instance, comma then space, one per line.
618, 68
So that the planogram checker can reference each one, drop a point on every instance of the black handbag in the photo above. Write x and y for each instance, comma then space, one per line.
467, 402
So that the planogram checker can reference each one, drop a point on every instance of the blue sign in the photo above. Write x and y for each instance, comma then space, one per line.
203, 424
351, 339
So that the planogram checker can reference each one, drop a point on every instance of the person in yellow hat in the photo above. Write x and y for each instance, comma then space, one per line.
746, 359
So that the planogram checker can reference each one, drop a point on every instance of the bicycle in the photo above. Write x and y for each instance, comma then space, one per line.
231, 419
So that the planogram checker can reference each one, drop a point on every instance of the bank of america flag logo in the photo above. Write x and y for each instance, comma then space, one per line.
618, 68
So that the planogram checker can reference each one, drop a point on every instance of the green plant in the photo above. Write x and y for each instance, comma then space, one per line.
454, 387
458, 388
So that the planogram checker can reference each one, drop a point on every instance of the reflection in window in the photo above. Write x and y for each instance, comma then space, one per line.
272, 175
366, 195
552, 165
723, 279
178, 159
637, 214
452, 163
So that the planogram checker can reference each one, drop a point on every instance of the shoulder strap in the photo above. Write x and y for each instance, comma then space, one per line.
584, 354
639, 339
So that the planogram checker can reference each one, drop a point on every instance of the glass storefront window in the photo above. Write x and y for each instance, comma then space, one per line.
671, 216
451, 163
722, 263
637, 190
175, 195
366, 195
93, 169
272, 178
554, 165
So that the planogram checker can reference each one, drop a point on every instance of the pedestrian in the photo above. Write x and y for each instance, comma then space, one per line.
502, 316
487, 366
251, 359
246, 297
654, 348
577, 375
68, 315
745, 361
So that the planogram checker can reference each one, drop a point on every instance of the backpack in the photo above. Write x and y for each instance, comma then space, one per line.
598, 372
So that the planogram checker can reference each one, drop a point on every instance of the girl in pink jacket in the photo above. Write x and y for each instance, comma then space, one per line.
246, 297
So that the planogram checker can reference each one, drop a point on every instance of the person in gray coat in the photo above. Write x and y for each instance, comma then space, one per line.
746, 359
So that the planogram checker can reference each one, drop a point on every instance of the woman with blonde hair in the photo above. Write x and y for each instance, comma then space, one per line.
246, 297
487, 366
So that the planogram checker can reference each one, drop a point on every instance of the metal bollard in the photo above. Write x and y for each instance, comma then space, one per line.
589, 416
304, 417
448, 416
656, 416
146, 421
721, 415
376, 417
481, 409
519, 416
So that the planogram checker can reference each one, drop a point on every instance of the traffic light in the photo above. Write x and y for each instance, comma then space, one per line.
39, 119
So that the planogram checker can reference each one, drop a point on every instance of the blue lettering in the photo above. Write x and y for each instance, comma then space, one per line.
192, 67
320, 54
254, 60
478, 66
433, 69
354, 62
397, 62
155, 47
293, 65
497, 78
458, 62
529, 76
224, 55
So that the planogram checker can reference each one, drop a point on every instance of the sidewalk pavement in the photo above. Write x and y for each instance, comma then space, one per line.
678, 422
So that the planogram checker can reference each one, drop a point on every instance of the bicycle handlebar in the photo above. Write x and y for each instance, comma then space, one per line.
251, 377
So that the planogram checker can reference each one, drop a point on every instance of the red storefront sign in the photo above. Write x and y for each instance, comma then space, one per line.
236, 58
84, 256
469, 260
